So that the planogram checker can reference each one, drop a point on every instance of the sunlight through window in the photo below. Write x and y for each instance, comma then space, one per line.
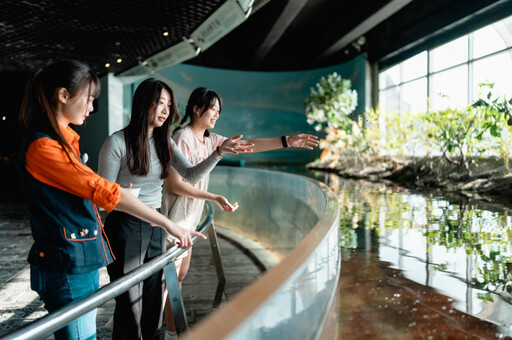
492, 38
451, 54
454, 72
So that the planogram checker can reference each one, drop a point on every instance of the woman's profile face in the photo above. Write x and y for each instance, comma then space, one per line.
76, 109
160, 110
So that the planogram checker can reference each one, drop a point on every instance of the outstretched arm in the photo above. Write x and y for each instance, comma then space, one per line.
194, 174
188, 171
177, 186
234, 145
301, 140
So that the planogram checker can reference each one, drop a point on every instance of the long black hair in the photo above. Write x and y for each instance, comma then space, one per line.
204, 99
146, 96
38, 109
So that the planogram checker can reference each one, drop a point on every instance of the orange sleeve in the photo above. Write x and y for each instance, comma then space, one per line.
48, 163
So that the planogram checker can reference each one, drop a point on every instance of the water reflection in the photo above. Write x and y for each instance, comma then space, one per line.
414, 265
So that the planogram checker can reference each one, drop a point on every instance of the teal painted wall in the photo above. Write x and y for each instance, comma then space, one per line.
261, 104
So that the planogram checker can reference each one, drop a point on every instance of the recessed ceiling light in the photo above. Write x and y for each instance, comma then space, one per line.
119, 60
107, 65
166, 34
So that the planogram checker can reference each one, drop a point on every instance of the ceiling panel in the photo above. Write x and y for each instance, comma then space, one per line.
279, 34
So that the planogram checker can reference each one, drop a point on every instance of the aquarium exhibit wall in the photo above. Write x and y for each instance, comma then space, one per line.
259, 104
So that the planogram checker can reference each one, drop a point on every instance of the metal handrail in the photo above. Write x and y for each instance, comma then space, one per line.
48, 324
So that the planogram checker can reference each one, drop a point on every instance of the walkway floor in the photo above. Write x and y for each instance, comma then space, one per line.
20, 305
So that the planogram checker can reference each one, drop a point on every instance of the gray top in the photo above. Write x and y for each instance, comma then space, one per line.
113, 165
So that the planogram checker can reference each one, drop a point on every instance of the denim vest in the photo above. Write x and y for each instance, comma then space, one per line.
67, 229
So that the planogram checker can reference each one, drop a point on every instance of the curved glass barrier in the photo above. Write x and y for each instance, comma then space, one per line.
297, 219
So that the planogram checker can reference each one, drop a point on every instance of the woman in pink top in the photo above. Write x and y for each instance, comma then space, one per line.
182, 202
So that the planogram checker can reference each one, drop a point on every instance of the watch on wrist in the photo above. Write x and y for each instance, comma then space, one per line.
218, 151
284, 141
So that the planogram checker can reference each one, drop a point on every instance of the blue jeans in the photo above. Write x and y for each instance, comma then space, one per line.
59, 289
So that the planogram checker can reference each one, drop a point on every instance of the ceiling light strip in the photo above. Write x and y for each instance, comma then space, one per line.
231, 14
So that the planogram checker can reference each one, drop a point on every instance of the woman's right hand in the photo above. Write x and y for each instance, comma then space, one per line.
184, 236
235, 145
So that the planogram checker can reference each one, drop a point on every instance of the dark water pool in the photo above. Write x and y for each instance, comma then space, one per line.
421, 266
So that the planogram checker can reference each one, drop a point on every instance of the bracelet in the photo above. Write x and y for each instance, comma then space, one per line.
218, 151
284, 141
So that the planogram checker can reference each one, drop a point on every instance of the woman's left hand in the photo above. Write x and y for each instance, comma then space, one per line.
303, 140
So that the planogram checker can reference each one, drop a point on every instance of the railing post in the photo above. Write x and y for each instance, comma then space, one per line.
175, 298
219, 268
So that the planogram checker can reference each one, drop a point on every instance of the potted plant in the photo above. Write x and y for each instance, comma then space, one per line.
331, 104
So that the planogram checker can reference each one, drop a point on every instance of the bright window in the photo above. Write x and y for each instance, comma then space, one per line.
449, 74
414, 67
450, 54
414, 94
492, 38
496, 69
446, 88
389, 99
390, 77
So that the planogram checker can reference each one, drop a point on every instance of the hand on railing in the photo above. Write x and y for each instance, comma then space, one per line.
38, 329
184, 236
